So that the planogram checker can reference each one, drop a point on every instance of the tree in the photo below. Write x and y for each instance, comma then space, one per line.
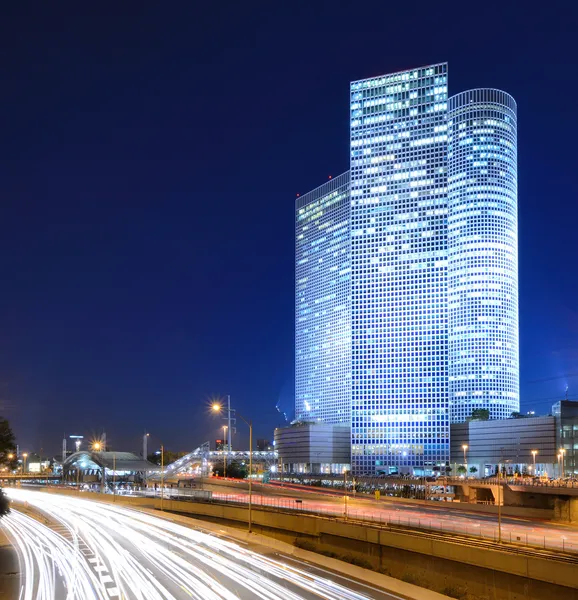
480, 414
473, 470
7, 444
4, 504
235, 470
169, 457
462, 470
517, 415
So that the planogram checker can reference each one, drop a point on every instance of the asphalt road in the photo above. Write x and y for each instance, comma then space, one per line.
435, 516
78, 549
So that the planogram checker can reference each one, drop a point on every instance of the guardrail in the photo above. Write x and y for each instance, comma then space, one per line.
516, 536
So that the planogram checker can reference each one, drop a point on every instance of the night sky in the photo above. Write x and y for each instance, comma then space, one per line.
149, 166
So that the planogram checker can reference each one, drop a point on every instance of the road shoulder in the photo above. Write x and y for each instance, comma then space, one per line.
9, 568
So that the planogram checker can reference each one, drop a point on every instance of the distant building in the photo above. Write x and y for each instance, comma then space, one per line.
510, 442
264, 445
566, 413
309, 447
219, 444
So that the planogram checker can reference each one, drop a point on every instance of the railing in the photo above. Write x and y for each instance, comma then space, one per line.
516, 535
556, 483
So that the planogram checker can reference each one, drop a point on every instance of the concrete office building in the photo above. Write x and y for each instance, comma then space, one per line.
508, 442
513, 442
309, 447
428, 298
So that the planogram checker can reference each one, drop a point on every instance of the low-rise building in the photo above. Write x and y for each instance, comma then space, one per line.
548, 444
310, 447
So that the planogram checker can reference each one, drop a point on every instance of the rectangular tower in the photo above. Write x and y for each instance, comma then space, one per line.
323, 304
398, 271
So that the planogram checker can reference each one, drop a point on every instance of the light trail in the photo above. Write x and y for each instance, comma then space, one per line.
102, 551
516, 530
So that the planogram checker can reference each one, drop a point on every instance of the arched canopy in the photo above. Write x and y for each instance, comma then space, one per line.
119, 461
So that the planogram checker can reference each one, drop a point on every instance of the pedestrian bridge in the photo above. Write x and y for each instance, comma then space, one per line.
198, 462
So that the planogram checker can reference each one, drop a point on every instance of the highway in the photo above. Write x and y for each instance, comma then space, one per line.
77, 549
434, 516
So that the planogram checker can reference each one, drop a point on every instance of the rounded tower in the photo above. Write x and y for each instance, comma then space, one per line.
483, 358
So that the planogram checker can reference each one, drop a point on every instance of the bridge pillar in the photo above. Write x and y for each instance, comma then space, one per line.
566, 509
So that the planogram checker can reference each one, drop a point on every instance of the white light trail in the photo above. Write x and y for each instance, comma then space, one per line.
109, 551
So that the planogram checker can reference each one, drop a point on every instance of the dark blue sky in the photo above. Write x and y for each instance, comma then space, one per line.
148, 170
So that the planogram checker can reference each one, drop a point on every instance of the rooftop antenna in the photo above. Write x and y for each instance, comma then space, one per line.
566, 392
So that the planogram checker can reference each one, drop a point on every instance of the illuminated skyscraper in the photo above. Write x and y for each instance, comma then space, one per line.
400, 415
406, 268
483, 254
323, 304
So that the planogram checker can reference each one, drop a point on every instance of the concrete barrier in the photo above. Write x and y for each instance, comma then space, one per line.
373, 541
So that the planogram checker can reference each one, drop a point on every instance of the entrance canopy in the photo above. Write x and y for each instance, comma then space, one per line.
119, 461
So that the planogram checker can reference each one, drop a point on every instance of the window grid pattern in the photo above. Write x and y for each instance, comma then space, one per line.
323, 304
483, 254
400, 415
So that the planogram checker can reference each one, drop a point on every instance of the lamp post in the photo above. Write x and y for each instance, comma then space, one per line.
534, 452
345, 493
499, 505
226, 448
145, 439
114, 477
217, 408
562, 452
24, 456
162, 473
465, 449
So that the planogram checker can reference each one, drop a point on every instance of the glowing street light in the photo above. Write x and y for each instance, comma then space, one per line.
24, 456
534, 452
96, 446
465, 449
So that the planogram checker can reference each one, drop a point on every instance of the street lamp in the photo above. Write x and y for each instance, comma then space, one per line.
465, 449
96, 446
24, 456
534, 452
562, 452
345, 492
162, 474
499, 504
217, 409
225, 448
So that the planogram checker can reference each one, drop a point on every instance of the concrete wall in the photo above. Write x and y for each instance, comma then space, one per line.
491, 442
566, 510
506, 574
